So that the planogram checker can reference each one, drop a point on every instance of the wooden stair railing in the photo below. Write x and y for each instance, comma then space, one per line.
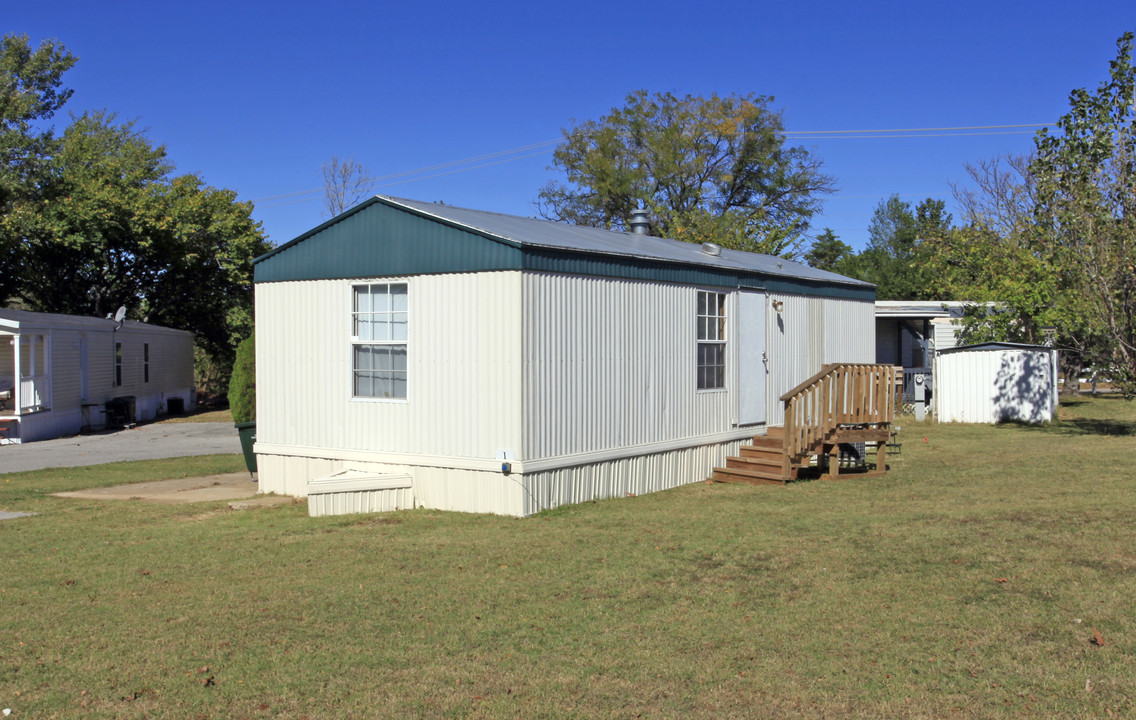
844, 402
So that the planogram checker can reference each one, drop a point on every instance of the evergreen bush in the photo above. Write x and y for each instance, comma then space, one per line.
242, 385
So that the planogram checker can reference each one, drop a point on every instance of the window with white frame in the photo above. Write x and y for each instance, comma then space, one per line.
379, 340
118, 364
145, 362
711, 340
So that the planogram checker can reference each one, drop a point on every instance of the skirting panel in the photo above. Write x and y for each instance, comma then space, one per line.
495, 492
365, 501
623, 477
49, 424
432, 487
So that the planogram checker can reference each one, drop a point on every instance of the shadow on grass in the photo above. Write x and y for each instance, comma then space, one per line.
1085, 426
1109, 405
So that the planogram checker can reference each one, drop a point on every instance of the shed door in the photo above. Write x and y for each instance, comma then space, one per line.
751, 357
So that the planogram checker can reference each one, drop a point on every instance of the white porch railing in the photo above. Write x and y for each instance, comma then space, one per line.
34, 393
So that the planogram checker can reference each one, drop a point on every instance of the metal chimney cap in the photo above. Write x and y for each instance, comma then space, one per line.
711, 249
640, 222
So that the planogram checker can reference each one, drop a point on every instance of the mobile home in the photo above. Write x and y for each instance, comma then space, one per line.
412, 354
62, 374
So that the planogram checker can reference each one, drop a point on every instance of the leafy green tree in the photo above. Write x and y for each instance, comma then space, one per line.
1085, 174
828, 252
97, 221
895, 257
30, 93
707, 169
123, 231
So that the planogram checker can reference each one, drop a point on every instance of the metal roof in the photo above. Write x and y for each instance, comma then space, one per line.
537, 236
12, 320
534, 232
994, 346
900, 309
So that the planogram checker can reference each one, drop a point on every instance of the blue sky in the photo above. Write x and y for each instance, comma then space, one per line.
257, 96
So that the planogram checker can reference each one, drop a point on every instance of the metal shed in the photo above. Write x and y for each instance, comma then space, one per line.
464, 360
996, 382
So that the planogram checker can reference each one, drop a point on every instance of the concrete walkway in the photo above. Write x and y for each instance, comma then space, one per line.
145, 442
230, 486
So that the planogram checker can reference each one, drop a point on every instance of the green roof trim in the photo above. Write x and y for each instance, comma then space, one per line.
383, 238
376, 240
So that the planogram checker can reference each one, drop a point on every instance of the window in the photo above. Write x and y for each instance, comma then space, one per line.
118, 364
711, 340
145, 362
378, 343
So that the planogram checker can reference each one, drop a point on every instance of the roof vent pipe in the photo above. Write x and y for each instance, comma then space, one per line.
640, 224
711, 249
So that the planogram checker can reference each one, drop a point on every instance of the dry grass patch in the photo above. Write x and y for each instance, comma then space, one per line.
202, 416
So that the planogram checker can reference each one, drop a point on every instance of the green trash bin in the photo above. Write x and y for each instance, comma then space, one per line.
248, 437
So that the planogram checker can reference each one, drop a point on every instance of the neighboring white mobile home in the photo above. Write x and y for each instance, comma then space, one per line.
413, 354
63, 374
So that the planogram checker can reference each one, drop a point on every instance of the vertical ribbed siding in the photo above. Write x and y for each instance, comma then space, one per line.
810, 332
849, 331
464, 392
964, 389
364, 501
612, 363
623, 477
988, 386
788, 334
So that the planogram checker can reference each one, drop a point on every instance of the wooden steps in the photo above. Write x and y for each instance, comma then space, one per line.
750, 477
842, 403
764, 462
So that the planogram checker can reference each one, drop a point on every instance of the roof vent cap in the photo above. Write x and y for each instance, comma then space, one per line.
640, 223
711, 249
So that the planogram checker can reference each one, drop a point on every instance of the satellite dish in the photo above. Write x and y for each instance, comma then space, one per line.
120, 315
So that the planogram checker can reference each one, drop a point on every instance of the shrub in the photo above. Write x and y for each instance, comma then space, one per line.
242, 385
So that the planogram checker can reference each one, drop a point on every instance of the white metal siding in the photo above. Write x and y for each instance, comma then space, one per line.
440, 488
849, 331
366, 501
464, 390
988, 386
622, 477
945, 333
810, 332
611, 363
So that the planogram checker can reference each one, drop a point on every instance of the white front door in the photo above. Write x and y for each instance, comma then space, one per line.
751, 357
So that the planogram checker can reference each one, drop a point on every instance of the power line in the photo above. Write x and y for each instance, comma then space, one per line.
926, 129
428, 168
502, 156
792, 136
413, 179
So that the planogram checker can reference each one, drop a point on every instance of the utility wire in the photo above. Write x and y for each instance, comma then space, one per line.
413, 179
502, 156
792, 136
926, 129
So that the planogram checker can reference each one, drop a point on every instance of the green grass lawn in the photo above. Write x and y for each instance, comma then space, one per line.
966, 583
